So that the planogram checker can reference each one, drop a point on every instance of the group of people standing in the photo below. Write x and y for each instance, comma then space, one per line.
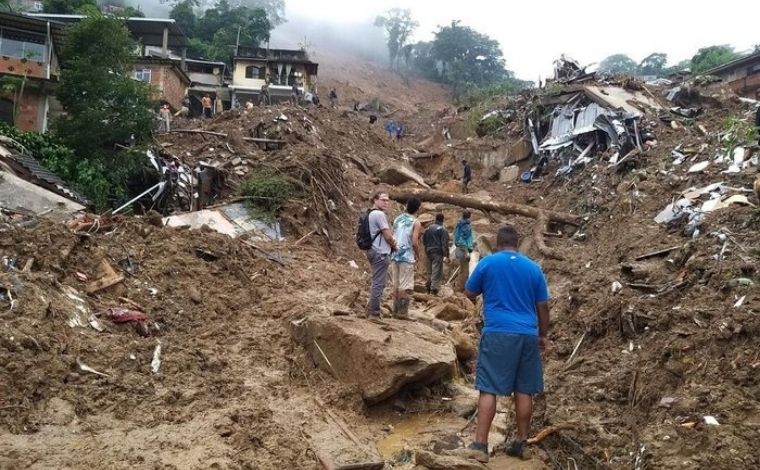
397, 248
515, 304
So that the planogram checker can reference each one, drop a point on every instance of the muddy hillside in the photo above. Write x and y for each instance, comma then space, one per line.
210, 337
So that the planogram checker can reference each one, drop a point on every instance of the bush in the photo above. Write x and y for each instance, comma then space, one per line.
103, 181
266, 193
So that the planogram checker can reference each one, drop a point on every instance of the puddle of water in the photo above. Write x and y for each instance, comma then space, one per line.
411, 431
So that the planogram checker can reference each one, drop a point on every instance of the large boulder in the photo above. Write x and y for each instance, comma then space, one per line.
381, 358
396, 174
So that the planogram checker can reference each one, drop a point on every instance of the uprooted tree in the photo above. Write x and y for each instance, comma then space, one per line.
542, 216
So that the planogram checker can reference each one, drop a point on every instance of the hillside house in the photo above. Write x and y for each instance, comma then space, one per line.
742, 74
29, 50
168, 81
252, 67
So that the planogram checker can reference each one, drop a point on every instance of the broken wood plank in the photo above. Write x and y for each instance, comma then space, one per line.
429, 195
652, 254
266, 254
103, 283
261, 140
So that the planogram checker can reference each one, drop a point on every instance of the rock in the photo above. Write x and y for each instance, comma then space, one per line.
59, 411
465, 400
448, 312
447, 442
398, 174
358, 351
464, 344
509, 174
446, 462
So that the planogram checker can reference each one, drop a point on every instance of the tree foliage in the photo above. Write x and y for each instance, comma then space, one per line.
214, 32
618, 63
69, 7
399, 26
653, 64
710, 57
468, 58
104, 107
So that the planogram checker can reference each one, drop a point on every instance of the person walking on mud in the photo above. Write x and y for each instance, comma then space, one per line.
463, 246
466, 177
436, 241
406, 232
514, 337
379, 252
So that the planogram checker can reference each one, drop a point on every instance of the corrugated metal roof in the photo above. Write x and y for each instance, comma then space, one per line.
43, 174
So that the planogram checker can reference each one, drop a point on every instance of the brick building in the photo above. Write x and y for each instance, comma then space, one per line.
29, 69
167, 80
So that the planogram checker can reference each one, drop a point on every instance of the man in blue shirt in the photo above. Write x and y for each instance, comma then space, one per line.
516, 314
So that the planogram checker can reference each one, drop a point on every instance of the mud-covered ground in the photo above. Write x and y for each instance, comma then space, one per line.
233, 390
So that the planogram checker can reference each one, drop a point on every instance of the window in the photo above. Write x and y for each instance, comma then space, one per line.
37, 6
142, 75
23, 45
253, 71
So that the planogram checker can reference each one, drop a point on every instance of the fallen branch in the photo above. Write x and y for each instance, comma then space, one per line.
427, 195
546, 432
222, 134
664, 251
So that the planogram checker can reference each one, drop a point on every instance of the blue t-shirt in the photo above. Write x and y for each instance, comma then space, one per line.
511, 284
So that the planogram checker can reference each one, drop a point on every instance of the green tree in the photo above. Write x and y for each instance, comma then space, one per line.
653, 64
618, 63
131, 12
184, 14
215, 33
104, 106
399, 26
710, 57
467, 57
69, 7
275, 9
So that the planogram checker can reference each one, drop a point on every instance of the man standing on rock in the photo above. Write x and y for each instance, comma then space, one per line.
406, 232
516, 316
380, 251
463, 244
436, 241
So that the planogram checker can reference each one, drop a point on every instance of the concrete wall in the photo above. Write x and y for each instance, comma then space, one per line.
490, 156
238, 74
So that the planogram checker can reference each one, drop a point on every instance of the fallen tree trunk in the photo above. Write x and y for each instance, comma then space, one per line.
222, 134
401, 195
538, 236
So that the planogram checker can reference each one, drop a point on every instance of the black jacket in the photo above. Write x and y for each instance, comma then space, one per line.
436, 240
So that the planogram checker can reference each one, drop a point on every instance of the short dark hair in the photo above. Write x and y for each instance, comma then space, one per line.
466, 214
377, 195
439, 218
413, 205
464, 162
507, 236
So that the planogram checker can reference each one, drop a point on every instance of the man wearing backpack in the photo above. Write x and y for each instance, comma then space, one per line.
374, 236
436, 241
406, 232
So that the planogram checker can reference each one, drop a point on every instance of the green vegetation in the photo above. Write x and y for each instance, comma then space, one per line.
105, 109
266, 193
215, 31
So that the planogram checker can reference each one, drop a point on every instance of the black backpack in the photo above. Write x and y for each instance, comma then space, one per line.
364, 238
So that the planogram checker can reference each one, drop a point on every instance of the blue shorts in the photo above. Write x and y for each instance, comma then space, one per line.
509, 363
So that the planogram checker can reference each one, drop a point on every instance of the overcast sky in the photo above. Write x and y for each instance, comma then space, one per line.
534, 33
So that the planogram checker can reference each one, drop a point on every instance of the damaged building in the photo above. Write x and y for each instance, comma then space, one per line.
579, 121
